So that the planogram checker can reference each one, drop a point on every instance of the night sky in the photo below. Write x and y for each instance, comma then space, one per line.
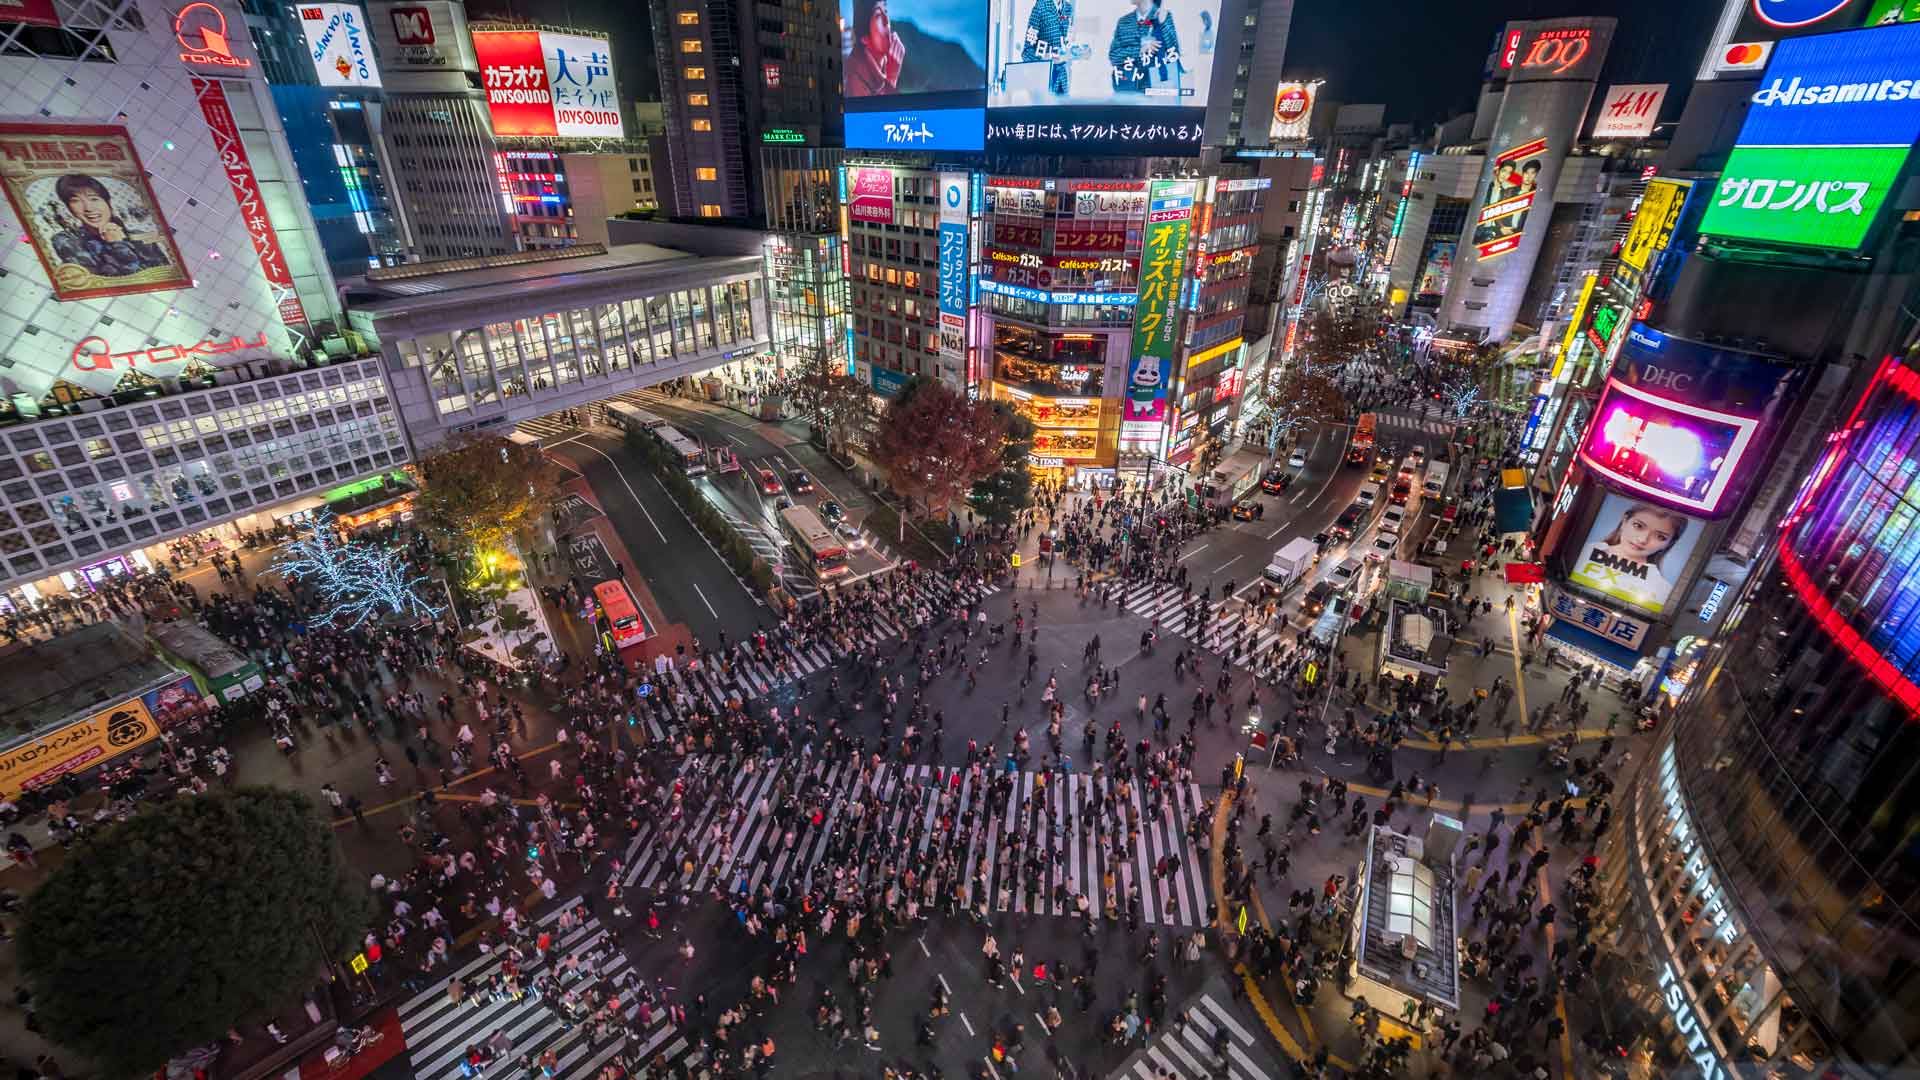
1423, 58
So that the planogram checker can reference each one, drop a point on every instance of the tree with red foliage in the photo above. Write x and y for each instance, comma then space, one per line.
935, 444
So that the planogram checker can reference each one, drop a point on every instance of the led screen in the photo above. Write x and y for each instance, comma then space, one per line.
1635, 552
1510, 193
914, 74
1123, 79
1676, 453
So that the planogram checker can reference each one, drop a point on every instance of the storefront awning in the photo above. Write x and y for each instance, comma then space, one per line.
1513, 510
1593, 645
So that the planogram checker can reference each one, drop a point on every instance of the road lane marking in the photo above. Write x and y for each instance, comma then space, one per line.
1194, 552
621, 473
704, 600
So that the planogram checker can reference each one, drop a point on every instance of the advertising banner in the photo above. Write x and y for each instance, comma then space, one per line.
246, 193
339, 44
31, 12
1654, 221
514, 74
430, 35
1162, 263
81, 194
1596, 619
586, 104
871, 197
1634, 551
1087, 79
1828, 132
1751, 27
1677, 453
1293, 111
953, 267
80, 745
914, 74
1436, 271
1629, 111
1724, 380
1509, 198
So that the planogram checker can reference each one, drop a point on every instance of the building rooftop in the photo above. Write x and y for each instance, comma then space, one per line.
1407, 896
45, 683
1418, 635
581, 269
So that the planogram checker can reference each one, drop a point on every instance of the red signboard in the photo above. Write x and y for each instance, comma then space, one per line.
1525, 573
1510, 49
513, 72
246, 192
31, 12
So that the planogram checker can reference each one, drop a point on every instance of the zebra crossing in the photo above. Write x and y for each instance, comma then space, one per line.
747, 678
1165, 602
1438, 430
1184, 1047
734, 842
439, 1030
547, 428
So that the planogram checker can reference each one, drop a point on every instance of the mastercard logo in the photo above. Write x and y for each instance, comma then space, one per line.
1749, 54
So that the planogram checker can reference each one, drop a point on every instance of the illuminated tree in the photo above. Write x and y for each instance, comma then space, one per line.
354, 582
486, 490
1292, 402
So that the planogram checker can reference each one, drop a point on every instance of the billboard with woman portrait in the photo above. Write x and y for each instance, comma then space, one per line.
1635, 552
89, 213
914, 75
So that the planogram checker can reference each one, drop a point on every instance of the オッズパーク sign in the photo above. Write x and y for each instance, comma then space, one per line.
80, 745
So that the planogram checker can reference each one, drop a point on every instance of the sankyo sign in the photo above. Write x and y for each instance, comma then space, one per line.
1819, 196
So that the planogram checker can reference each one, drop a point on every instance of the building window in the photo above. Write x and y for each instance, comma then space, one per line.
689, 18
690, 45
703, 124
707, 173
709, 209
697, 99
695, 74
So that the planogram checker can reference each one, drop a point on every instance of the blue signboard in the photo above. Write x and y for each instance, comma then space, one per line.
887, 382
917, 129
1056, 296
1851, 89
953, 269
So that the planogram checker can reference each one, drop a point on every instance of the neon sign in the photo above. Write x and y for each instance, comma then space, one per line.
1558, 49
94, 354
201, 30
1675, 453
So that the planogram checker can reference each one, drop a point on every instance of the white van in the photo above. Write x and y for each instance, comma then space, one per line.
1369, 494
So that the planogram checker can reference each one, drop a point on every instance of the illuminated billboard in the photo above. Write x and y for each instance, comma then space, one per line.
1629, 111
1825, 140
545, 82
870, 195
1679, 454
1511, 190
1163, 257
1293, 110
1748, 30
1654, 221
1634, 552
914, 74
339, 44
1071, 77
89, 213
1437, 270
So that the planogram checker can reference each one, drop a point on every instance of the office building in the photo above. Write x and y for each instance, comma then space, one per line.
562, 197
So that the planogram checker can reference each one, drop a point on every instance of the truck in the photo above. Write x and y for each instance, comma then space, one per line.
1435, 484
1292, 562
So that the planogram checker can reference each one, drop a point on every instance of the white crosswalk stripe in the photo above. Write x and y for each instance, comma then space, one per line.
438, 1031
1228, 637
1438, 429
547, 428
756, 676
1100, 827
1186, 1049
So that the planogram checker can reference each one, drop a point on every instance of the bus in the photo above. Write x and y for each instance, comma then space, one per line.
1360, 450
632, 418
218, 669
521, 438
693, 460
622, 614
814, 544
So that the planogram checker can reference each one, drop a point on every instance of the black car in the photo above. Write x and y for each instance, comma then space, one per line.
800, 482
832, 511
1348, 521
1316, 599
1249, 509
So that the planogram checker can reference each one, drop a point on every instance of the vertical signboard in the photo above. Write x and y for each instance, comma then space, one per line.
871, 200
1654, 221
953, 270
246, 192
339, 45
1163, 256
1293, 110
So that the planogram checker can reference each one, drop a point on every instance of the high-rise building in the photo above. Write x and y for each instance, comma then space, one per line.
436, 140
565, 197
736, 75
323, 108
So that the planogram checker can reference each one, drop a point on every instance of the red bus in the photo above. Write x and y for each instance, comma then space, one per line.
1360, 450
622, 615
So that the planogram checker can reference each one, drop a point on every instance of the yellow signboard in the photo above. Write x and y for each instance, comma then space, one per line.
1573, 328
1221, 349
358, 963
1240, 920
1016, 560
80, 745
1654, 222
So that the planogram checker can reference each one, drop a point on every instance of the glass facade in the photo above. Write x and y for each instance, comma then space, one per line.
1774, 836
483, 367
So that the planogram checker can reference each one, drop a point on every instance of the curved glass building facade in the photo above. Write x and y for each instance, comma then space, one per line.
1771, 852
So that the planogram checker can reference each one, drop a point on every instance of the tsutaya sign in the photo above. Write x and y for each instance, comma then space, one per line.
1713, 913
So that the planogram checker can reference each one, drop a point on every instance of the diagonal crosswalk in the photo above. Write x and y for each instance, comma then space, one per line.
439, 1031
1082, 834
1230, 637
746, 676
1185, 1047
